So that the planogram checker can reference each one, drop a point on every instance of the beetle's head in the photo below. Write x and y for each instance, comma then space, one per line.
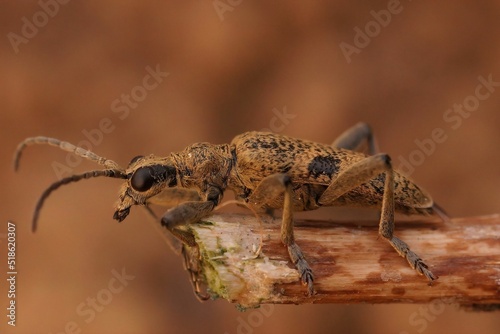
146, 178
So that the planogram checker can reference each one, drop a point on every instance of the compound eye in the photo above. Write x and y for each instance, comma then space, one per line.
143, 179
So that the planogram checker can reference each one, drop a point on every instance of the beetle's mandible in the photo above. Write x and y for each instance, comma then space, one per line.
266, 171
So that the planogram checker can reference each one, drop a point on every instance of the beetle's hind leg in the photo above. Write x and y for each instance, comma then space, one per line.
268, 190
354, 138
362, 172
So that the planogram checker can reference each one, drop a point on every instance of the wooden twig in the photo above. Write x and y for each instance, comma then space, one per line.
351, 263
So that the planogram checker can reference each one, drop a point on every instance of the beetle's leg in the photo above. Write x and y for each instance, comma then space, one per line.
171, 197
192, 265
268, 190
174, 196
362, 172
190, 212
353, 139
185, 214
174, 243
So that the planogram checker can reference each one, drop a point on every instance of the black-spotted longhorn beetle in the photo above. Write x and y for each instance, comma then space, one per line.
266, 171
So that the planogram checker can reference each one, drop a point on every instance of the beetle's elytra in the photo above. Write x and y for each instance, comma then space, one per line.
267, 171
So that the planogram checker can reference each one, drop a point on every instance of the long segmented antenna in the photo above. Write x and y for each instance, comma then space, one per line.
63, 145
114, 170
114, 173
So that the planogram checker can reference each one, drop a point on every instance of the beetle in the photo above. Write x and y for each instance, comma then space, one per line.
266, 171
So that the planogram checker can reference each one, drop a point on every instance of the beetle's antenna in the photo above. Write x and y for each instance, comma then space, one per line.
114, 173
63, 145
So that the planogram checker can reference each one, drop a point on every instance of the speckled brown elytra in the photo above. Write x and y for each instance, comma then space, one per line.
266, 171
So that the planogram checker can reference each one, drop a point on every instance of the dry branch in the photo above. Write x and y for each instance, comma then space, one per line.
350, 262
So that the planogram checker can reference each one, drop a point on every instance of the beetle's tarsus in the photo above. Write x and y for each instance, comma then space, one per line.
308, 280
305, 271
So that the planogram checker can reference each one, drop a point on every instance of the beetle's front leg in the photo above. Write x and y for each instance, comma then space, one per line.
185, 214
268, 190
193, 266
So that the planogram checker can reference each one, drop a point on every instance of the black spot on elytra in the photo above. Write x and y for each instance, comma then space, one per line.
323, 166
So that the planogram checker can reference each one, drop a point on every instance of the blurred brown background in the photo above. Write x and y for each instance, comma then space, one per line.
233, 66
